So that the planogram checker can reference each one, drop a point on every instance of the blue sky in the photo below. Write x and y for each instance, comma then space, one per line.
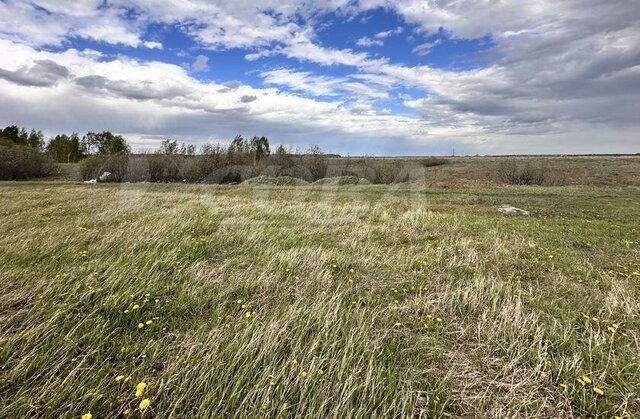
354, 77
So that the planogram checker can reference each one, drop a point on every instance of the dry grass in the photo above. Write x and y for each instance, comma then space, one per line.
362, 301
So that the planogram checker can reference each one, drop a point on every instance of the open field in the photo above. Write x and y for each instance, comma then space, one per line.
475, 172
356, 301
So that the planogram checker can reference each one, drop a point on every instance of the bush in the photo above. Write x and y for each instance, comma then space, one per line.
515, 173
432, 161
94, 166
278, 180
21, 162
342, 180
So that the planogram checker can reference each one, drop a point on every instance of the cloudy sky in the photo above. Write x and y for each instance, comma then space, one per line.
354, 77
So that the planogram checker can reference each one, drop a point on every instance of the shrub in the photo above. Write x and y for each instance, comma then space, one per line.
342, 180
432, 161
94, 166
21, 162
527, 173
277, 180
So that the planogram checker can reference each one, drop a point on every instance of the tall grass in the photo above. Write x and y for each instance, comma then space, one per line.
303, 302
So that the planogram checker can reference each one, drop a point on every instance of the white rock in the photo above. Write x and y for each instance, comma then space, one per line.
508, 209
104, 176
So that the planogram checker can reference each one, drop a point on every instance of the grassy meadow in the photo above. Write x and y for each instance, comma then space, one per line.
378, 301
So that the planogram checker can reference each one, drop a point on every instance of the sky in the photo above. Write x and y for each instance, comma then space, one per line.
369, 77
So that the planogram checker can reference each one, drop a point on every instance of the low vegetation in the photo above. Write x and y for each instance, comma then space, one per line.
162, 300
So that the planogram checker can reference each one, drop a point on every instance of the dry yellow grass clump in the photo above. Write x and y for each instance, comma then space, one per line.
354, 301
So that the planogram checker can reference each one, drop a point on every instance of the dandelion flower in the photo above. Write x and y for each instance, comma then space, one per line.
140, 388
87, 416
140, 325
303, 374
320, 372
120, 378
598, 390
149, 321
136, 306
144, 404
438, 319
247, 314
586, 379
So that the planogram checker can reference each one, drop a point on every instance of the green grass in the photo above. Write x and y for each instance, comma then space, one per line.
363, 301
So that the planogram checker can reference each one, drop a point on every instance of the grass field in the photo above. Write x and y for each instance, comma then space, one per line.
345, 302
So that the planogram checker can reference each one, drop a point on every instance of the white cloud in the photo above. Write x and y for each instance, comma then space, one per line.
556, 67
201, 63
153, 98
368, 42
386, 34
424, 49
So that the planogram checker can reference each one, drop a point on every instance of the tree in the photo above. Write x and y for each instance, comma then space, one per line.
168, 147
239, 145
65, 149
15, 134
259, 147
105, 143
35, 139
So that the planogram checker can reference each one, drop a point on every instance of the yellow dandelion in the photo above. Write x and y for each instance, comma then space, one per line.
147, 295
136, 306
140, 325
303, 374
140, 388
586, 379
120, 378
438, 319
144, 404
126, 311
149, 321
87, 416
239, 302
320, 372
247, 314
598, 391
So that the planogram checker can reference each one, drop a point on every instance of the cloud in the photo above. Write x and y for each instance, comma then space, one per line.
152, 45
201, 63
424, 49
150, 99
386, 34
318, 85
43, 73
368, 42
552, 68
248, 98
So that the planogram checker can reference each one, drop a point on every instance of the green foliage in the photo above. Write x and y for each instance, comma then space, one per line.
65, 149
19, 162
34, 139
105, 143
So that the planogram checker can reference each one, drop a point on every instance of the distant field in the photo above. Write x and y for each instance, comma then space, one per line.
345, 302
484, 171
